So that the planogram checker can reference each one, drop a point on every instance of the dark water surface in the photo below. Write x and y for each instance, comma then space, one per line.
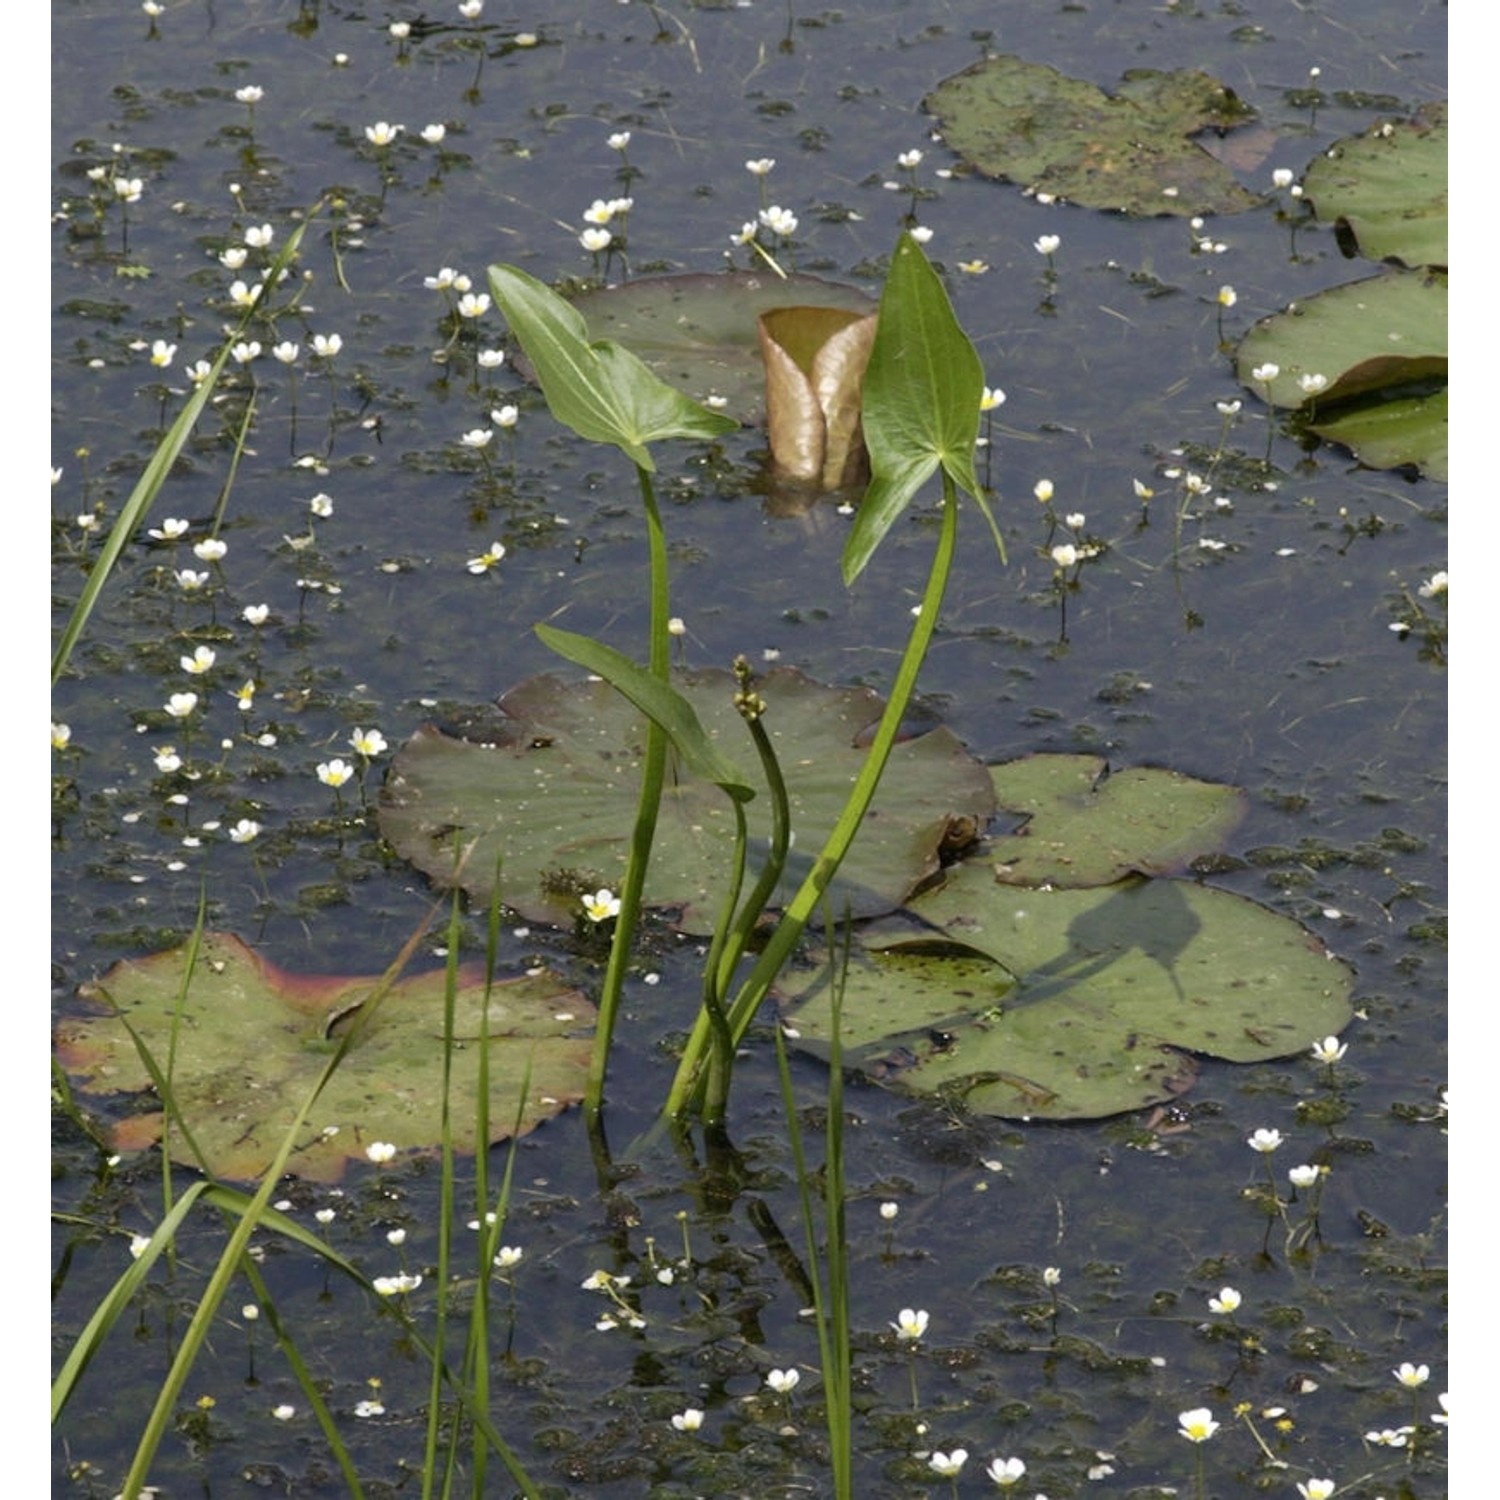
1269, 664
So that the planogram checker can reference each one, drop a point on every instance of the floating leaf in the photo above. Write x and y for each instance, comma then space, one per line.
1113, 987
1386, 191
1085, 826
815, 361
698, 330
252, 1039
1376, 341
1130, 151
551, 787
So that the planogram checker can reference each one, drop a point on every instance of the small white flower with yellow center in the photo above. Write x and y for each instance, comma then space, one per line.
244, 831
509, 1257
335, 773
1051, 1276
199, 662
61, 734
189, 581
779, 220
1006, 1472
259, 237
991, 398
245, 351
256, 614
688, 1421
783, 1382
973, 267
1312, 384
473, 304
487, 560
1047, 244
1329, 1050
210, 549
1304, 1177
1227, 296
910, 1325
251, 93
1436, 587
1142, 492
129, 189
1198, 1425
1043, 491
505, 417
368, 742
380, 1152
170, 529
1282, 177
760, 166
594, 240
434, 134
909, 158
161, 353
1264, 1141
477, 438
1316, 1489
180, 705
619, 140
598, 212
1265, 373
602, 905
400, 30
286, 352
1411, 1376
1064, 555
949, 1464
1226, 1302
490, 359
326, 345
167, 760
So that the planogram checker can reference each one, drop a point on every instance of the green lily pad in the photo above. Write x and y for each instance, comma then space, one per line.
1075, 1004
1386, 191
1379, 341
1131, 151
1406, 430
551, 789
252, 1039
698, 331
1086, 826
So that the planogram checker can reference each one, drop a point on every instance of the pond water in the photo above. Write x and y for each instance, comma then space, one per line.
1253, 647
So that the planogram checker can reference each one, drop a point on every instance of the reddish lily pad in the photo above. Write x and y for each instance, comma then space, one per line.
251, 1041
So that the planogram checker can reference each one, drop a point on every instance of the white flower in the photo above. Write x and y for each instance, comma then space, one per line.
368, 742
1390, 1437
487, 560
233, 258
433, 134
199, 662
1048, 244
1282, 177
1441, 1417
909, 158
889, 1211
910, 1326
620, 205
256, 614
1303, 1177
688, 1421
1329, 1050
602, 905
1312, 384
244, 831
1198, 1425
1074, 520
510, 1255
161, 353
129, 189
746, 234
1051, 1276
286, 352
388, 1286
326, 345
189, 581
1227, 408
525, 39
473, 304
335, 773
284, 1413
1064, 556
368, 1409
244, 351
1209, 544
1316, 1489
490, 359
595, 240
260, 238
1006, 1471
167, 760
598, 212
760, 166
1042, 489
676, 625
1226, 1302
170, 529
920, 233
153, 8
138, 1245
1264, 1141
948, 1464
380, 1151
1411, 1375
61, 734
199, 371
252, 93
180, 705
783, 1382
242, 294
400, 30
973, 267
1435, 587
321, 505
619, 140
442, 281
778, 220
1265, 373
505, 416
210, 549
990, 398
477, 437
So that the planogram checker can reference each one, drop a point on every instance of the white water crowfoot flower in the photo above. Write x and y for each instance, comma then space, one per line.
909, 1325
368, 743
486, 561
1390, 1437
199, 662
1411, 1376
210, 549
509, 1257
473, 304
990, 398
161, 353
61, 734
619, 140
601, 906
688, 1421
1436, 587
1006, 1472
169, 530
1329, 1050
478, 438
326, 345
783, 1382
1440, 1418
1316, 1489
1264, 1141
1047, 245
1198, 1425
388, 1286
1304, 1177
381, 134
594, 240
245, 831
1226, 1302
1312, 384
380, 1152
181, 705
949, 1464
335, 773
779, 220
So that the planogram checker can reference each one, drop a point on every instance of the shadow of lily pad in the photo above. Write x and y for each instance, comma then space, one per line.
1085, 826
552, 792
1130, 151
1090, 1002
699, 331
252, 1039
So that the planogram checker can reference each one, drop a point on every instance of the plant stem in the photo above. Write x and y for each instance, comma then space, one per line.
687, 1088
653, 774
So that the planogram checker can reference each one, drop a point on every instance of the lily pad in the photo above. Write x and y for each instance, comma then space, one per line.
550, 788
699, 332
1113, 989
1375, 341
1085, 826
252, 1039
1386, 191
1131, 151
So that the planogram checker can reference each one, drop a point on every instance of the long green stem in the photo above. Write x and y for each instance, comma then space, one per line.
687, 1086
653, 775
